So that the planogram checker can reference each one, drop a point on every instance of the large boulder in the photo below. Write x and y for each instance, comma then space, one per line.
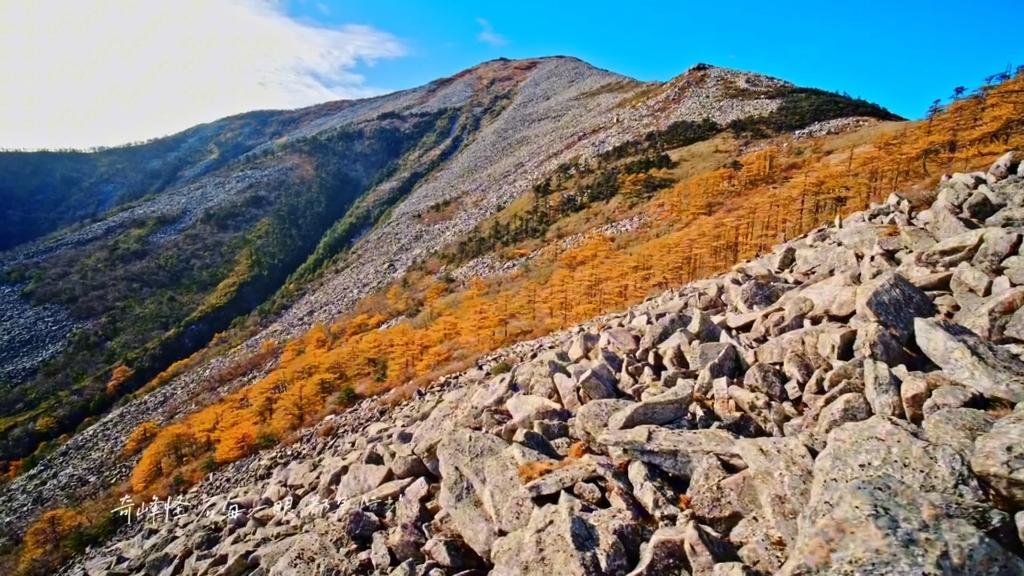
559, 539
480, 488
992, 316
970, 360
954, 250
1004, 166
957, 428
893, 302
998, 458
674, 451
883, 525
592, 418
882, 445
664, 408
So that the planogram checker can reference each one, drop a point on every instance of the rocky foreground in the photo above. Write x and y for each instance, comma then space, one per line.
852, 403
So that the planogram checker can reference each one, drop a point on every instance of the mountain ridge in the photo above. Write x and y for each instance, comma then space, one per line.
497, 146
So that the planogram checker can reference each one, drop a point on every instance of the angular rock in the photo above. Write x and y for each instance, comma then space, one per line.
665, 553
997, 245
876, 342
957, 428
945, 223
998, 458
450, 553
1003, 167
408, 466
884, 446
756, 295
968, 278
797, 367
653, 491
893, 302
566, 386
592, 418
882, 390
363, 478
555, 538
948, 397
620, 340
662, 409
990, 318
979, 206
1008, 217
766, 379
852, 407
593, 386
704, 329
358, 526
567, 476
380, 556
968, 359
480, 488
870, 521
674, 451
714, 494
581, 346
954, 250
527, 409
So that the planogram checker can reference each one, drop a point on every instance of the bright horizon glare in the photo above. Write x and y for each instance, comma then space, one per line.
84, 73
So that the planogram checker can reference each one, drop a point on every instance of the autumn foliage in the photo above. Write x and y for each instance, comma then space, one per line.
139, 438
43, 540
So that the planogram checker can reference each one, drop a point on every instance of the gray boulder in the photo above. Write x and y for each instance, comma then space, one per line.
766, 379
592, 418
998, 458
893, 302
957, 428
664, 408
970, 360
882, 390
882, 525
1004, 166
674, 451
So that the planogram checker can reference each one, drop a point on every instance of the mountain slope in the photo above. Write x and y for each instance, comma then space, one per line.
734, 421
478, 142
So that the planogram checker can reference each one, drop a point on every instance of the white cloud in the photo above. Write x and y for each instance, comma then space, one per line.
79, 73
488, 35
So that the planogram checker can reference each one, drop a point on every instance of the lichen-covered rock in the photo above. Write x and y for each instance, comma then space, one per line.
998, 458
882, 390
882, 525
674, 451
893, 303
957, 428
556, 538
592, 418
664, 408
970, 360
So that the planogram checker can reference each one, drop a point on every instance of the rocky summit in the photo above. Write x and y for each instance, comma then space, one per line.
850, 403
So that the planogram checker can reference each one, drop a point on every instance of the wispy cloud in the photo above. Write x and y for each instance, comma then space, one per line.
324, 8
80, 73
488, 35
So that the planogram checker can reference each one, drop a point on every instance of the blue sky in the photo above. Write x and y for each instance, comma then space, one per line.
901, 54
106, 72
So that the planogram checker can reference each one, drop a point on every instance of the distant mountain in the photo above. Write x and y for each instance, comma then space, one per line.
267, 223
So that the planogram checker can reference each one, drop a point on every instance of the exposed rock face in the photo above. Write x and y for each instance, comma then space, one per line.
781, 447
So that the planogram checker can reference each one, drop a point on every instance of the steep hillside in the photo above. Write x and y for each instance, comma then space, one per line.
364, 200
153, 282
864, 375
